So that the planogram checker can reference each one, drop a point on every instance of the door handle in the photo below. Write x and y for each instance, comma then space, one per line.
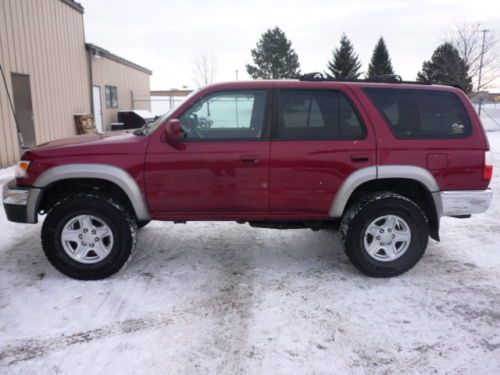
249, 159
359, 158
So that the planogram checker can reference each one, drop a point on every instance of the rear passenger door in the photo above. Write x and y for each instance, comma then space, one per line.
319, 137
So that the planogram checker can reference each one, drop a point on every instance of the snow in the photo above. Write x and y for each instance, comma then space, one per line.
6, 174
221, 297
162, 104
490, 116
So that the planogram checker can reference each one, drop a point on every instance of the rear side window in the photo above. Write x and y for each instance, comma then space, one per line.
422, 114
316, 115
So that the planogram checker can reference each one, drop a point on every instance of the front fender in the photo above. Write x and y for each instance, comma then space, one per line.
115, 175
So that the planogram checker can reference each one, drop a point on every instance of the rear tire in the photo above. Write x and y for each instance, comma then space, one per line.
384, 234
88, 236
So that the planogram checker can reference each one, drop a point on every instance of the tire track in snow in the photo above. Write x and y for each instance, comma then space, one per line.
233, 300
28, 349
229, 307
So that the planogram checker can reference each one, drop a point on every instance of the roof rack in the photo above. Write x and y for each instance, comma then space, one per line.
384, 78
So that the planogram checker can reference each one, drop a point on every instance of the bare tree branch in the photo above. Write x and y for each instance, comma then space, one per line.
204, 70
468, 39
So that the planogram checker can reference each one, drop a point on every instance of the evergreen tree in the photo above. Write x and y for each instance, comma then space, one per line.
345, 63
446, 67
380, 63
274, 57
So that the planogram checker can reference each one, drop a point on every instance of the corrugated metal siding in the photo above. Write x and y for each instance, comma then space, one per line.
44, 39
106, 72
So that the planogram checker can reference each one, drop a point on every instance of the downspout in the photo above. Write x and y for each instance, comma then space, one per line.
90, 64
91, 83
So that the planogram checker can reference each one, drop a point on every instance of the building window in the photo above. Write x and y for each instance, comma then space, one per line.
111, 97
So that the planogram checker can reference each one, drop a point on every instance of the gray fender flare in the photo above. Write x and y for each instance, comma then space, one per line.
109, 173
354, 180
363, 175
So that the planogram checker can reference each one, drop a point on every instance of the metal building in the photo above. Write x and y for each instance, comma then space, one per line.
116, 84
50, 74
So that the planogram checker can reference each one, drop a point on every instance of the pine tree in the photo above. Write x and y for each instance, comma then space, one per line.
274, 57
446, 67
380, 63
345, 63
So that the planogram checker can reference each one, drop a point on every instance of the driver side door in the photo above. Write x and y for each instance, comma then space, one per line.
221, 166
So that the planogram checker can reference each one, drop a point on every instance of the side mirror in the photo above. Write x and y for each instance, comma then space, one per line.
173, 130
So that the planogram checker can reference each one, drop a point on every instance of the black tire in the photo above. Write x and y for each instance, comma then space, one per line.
359, 216
142, 224
122, 225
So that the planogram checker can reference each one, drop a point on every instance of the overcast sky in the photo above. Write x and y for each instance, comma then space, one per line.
167, 36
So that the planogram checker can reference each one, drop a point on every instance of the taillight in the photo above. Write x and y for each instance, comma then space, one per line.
488, 166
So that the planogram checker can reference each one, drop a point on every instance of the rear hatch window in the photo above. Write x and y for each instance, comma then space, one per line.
422, 114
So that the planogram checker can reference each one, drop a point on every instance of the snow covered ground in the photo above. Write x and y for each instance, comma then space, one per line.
490, 116
225, 298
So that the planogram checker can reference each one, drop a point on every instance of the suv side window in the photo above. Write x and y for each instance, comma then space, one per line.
316, 115
422, 114
226, 115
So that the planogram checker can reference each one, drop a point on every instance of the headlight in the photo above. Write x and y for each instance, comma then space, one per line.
22, 168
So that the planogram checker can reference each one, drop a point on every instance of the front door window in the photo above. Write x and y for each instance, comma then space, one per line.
226, 115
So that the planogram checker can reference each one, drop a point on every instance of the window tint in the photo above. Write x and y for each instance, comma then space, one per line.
316, 114
226, 115
422, 114
349, 124
111, 97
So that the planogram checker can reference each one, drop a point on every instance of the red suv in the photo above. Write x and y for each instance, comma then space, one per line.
384, 159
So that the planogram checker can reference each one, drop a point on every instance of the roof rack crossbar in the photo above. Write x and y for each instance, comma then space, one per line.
384, 78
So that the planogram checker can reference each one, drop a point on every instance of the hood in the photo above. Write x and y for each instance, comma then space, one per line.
113, 142
79, 139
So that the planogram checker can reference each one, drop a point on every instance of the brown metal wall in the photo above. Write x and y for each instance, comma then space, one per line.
44, 39
106, 72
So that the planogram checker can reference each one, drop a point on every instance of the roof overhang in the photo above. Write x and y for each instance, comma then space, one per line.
74, 5
96, 50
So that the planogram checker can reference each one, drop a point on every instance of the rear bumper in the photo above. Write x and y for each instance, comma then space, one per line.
464, 202
20, 203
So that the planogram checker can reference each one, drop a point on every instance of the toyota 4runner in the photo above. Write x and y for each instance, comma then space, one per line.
385, 160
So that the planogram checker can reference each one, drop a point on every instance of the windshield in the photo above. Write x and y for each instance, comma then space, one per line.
150, 127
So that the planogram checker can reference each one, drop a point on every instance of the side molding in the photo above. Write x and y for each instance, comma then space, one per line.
363, 175
103, 172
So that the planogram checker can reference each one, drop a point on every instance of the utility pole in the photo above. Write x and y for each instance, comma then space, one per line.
484, 31
236, 74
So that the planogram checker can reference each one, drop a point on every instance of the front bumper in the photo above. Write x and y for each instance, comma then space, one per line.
464, 202
20, 203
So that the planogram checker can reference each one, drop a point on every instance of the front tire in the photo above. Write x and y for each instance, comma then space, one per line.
88, 236
384, 234
142, 224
